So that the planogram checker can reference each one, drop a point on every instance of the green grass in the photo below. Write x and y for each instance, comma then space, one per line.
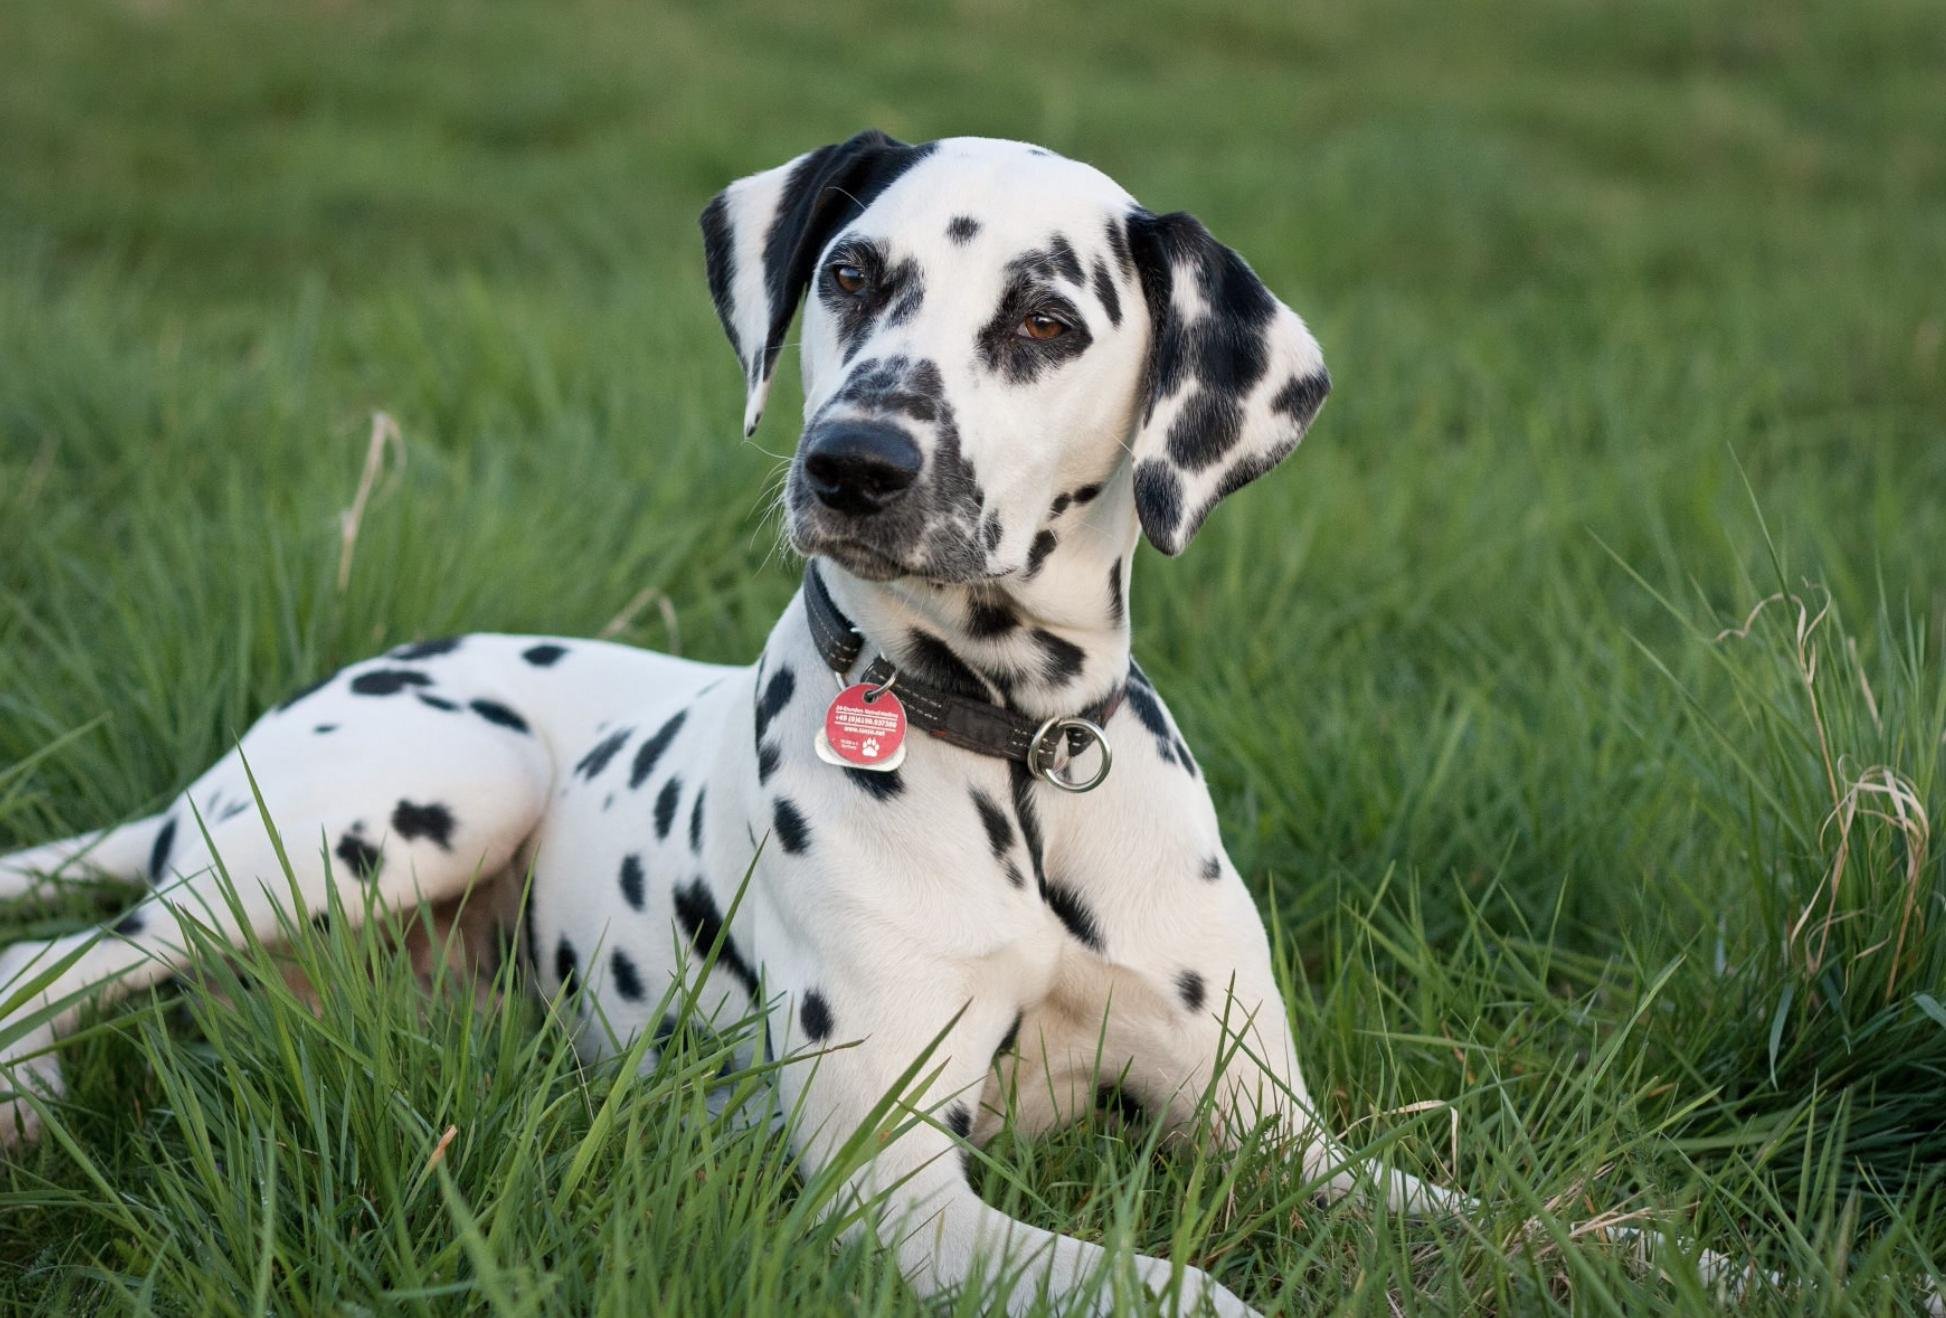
1636, 320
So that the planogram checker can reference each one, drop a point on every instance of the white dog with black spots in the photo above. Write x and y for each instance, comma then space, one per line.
1012, 372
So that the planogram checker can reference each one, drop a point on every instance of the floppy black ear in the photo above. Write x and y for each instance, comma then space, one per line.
1233, 380
762, 236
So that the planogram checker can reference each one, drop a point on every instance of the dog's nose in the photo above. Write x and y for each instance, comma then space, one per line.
858, 467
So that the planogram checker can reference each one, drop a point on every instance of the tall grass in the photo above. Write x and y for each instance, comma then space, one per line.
1573, 700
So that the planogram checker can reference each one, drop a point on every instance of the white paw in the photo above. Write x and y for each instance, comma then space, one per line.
40, 1075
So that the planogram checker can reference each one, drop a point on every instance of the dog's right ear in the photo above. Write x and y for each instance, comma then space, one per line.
762, 236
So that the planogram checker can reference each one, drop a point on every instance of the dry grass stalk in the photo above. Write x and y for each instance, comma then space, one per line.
622, 621
385, 435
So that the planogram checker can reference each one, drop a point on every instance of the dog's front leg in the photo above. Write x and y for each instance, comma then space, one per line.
888, 1082
1229, 1030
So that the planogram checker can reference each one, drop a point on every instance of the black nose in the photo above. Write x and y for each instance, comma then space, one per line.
859, 467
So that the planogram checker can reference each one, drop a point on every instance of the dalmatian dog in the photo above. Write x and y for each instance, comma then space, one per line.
1012, 372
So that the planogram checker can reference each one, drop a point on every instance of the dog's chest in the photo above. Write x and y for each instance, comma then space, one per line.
705, 821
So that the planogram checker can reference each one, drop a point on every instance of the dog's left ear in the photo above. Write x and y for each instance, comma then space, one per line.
1233, 379
762, 236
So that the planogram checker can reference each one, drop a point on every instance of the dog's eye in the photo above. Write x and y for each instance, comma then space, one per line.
848, 277
1042, 328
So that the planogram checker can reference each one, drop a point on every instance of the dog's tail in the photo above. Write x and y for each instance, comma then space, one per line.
128, 853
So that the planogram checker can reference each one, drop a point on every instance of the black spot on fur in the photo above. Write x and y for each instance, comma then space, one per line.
665, 807
1190, 985
1159, 492
1142, 700
566, 963
1000, 833
1061, 660
651, 750
777, 694
432, 822
360, 856
697, 913
387, 681
991, 531
989, 618
1009, 1039
815, 1015
1087, 493
426, 649
1213, 869
323, 728
1301, 398
900, 386
1060, 254
1060, 504
1118, 244
959, 1120
904, 292
129, 925
1072, 912
165, 842
1062, 900
793, 834
232, 810
879, 784
696, 822
628, 981
1022, 781
932, 660
769, 756
498, 714
601, 753
1116, 608
545, 655
962, 228
437, 702
1104, 286
720, 260
633, 880
1037, 553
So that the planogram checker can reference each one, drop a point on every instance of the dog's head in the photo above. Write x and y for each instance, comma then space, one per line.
993, 333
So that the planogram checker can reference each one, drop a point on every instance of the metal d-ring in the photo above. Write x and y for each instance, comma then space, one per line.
879, 690
1045, 770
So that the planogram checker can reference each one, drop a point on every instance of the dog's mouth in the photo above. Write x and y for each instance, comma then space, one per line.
870, 563
861, 560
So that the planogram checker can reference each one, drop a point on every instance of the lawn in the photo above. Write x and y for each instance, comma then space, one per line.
1574, 698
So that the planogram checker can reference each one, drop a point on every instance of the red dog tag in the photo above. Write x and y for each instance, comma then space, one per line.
863, 730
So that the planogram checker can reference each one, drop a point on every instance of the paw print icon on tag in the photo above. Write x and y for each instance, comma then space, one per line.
864, 728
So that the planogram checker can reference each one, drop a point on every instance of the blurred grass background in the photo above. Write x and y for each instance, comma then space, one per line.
1637, 319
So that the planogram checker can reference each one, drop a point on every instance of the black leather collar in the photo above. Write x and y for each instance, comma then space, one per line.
979, 726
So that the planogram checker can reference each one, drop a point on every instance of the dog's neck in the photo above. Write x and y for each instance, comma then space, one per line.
1053, 643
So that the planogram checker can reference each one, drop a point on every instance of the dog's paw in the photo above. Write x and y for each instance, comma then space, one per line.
27, 1062
20, 1076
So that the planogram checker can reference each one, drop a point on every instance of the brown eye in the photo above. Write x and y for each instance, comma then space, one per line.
849, 278
1042, 328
